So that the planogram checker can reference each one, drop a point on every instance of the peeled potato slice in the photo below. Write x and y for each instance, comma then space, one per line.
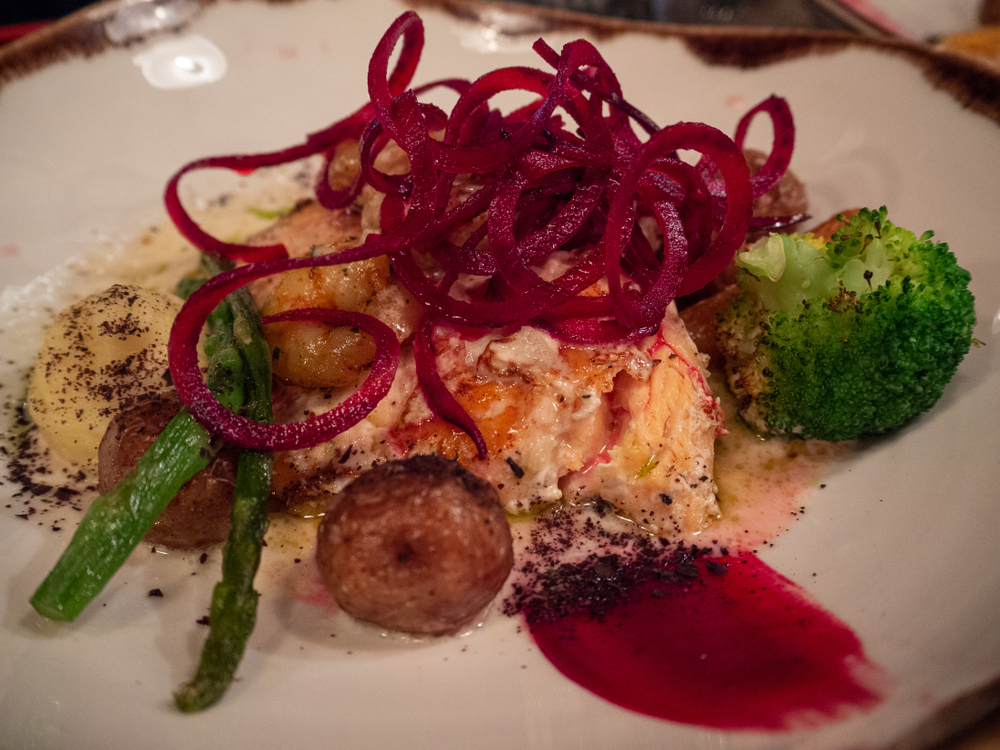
100, 355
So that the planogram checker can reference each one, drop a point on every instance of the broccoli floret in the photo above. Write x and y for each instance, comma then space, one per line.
845, 338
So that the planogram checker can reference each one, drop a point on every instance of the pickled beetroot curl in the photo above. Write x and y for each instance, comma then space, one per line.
556, 215
321, 142
182, 352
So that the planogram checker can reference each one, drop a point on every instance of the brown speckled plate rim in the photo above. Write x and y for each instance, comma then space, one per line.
973, 85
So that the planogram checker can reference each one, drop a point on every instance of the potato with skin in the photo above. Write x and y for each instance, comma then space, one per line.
420, 546
99, 356
198, 516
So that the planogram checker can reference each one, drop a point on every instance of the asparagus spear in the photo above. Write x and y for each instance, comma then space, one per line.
234, 600
116, 521
239, 375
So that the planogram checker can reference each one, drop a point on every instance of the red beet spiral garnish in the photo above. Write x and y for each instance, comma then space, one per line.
245, 432
561, 198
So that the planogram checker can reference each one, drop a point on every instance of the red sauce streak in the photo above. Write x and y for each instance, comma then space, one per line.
740, 649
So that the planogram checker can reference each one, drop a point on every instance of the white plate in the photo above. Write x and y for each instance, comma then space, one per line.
902, 541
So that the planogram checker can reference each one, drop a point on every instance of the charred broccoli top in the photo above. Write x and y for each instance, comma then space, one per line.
856, 336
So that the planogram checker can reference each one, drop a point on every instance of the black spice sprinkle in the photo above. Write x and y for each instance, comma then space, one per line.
65, 494
688, 570
554, 581
518, 471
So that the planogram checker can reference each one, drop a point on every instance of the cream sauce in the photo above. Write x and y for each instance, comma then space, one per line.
763, 483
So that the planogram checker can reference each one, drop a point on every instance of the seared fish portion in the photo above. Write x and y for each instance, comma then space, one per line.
633, 424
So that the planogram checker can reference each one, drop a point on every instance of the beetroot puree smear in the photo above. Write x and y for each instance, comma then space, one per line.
687, 634
745, 649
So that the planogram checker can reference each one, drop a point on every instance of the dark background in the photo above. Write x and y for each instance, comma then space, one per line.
26, 11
